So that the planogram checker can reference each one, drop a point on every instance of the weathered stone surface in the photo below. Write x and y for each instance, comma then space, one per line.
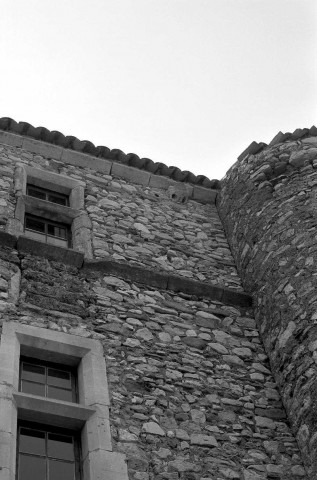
153, 428
204, 440
183, 466
271, 235
195, 342
192, 392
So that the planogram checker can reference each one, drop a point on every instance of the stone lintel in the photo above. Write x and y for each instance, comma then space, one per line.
52, 412
102, 165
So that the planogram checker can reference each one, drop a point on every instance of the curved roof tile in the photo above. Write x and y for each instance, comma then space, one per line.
87, 147
133, 160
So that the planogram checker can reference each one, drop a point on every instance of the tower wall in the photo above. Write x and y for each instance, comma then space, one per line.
269, 210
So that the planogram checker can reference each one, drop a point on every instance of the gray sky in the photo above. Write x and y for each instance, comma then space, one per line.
189, 83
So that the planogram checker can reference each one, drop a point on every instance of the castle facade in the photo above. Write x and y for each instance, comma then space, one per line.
156, 325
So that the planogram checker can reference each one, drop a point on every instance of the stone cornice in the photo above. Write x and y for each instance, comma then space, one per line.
73, 144
150, 174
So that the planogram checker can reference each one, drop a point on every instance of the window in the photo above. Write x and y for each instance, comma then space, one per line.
47, 453
50, 209
48, 195
47, 231
47, 379
54, 404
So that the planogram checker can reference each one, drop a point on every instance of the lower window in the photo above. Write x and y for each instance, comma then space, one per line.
47, 453
47, 231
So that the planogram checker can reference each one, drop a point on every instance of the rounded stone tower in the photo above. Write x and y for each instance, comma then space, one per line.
268, 205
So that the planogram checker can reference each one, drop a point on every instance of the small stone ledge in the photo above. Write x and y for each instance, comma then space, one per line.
53, 412
125, 271
52, 252
128, 272
168, 282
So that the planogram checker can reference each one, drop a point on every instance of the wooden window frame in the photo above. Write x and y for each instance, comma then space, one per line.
57, 366
45, 234
47, 193
55, 430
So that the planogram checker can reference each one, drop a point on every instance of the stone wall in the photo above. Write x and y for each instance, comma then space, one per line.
161, 228
192, 395
268, 207
192, 392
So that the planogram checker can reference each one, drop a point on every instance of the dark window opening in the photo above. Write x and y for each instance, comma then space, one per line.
47, 231
47, 453
48, 195
47, 379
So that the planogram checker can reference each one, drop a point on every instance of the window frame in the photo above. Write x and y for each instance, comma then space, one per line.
74, 215
45, 234
53, 365
90, 416
47, 430
47, 194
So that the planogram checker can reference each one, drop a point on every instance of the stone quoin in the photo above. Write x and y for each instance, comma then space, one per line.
155, 324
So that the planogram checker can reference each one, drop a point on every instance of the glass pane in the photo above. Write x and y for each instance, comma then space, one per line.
59, 378
33, 224
33, 388
60, 470
32, 441
60, 394
33, 372
35, 193
60, 446
32, 468
56, 231
56, 199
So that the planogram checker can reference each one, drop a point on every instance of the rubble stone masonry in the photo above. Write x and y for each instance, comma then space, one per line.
268, 207
202, 387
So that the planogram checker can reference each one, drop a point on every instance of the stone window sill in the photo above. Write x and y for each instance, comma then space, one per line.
52, 412
52, 252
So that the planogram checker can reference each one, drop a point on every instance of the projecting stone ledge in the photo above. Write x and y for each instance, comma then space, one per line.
135, 273
165, 281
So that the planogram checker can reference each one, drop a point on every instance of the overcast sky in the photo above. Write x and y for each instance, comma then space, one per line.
189, 83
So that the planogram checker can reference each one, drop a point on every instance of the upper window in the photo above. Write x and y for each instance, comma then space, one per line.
47, 380
50, 208
48, 195
47, 453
